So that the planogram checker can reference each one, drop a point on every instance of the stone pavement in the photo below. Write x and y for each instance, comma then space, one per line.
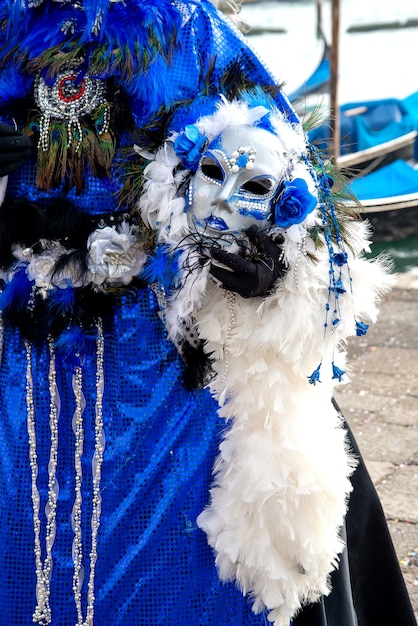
381, 405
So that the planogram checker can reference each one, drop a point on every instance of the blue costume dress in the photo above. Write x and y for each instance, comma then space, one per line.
106, 454
97, 358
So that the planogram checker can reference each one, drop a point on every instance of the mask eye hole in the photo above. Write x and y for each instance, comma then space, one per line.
258, 186
210, 168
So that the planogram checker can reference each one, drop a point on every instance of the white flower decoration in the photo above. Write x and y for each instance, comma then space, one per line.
114, 255
40, 267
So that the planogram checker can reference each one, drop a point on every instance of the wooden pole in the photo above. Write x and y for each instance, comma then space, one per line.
334, 107
319, 30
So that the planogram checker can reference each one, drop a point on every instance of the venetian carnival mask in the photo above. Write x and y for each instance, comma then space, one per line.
236, 181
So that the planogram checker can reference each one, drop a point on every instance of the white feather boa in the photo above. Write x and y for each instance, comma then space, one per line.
281, 480
282, 477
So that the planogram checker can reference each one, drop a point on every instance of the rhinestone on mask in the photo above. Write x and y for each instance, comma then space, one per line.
242, 157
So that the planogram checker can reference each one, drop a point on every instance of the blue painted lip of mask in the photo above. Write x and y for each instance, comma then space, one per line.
217, 223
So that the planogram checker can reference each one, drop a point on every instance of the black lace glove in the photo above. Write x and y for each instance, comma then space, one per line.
15, 147
250, 277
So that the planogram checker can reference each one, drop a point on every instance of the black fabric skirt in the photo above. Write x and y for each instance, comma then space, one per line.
368, 589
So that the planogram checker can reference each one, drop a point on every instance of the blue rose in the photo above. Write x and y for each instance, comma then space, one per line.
295, 203
188, 146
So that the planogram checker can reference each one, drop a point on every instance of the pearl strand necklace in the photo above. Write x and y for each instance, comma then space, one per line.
231, 298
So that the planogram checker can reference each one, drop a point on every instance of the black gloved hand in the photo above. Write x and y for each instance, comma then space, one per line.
15, 147
250, 277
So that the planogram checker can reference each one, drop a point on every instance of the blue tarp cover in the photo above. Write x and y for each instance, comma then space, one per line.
395, 179
381, 121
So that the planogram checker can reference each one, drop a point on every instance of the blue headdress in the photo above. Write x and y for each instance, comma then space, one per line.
126, 35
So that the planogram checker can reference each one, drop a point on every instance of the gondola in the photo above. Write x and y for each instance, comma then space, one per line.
389, 200
373, 133
318, 81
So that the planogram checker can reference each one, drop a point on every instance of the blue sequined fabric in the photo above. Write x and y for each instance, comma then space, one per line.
154, 566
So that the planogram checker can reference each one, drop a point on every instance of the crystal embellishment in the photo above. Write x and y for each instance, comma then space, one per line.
70, 97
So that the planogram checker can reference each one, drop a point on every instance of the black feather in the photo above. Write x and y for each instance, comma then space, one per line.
69, 225
121, 118
21, 222
198, 371
93, 304
73, 263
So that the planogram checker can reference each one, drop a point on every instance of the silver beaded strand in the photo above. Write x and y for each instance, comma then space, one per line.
42, 614
51, 507
76, 517
96, 471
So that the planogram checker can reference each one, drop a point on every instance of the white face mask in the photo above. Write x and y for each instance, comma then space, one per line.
235, 183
